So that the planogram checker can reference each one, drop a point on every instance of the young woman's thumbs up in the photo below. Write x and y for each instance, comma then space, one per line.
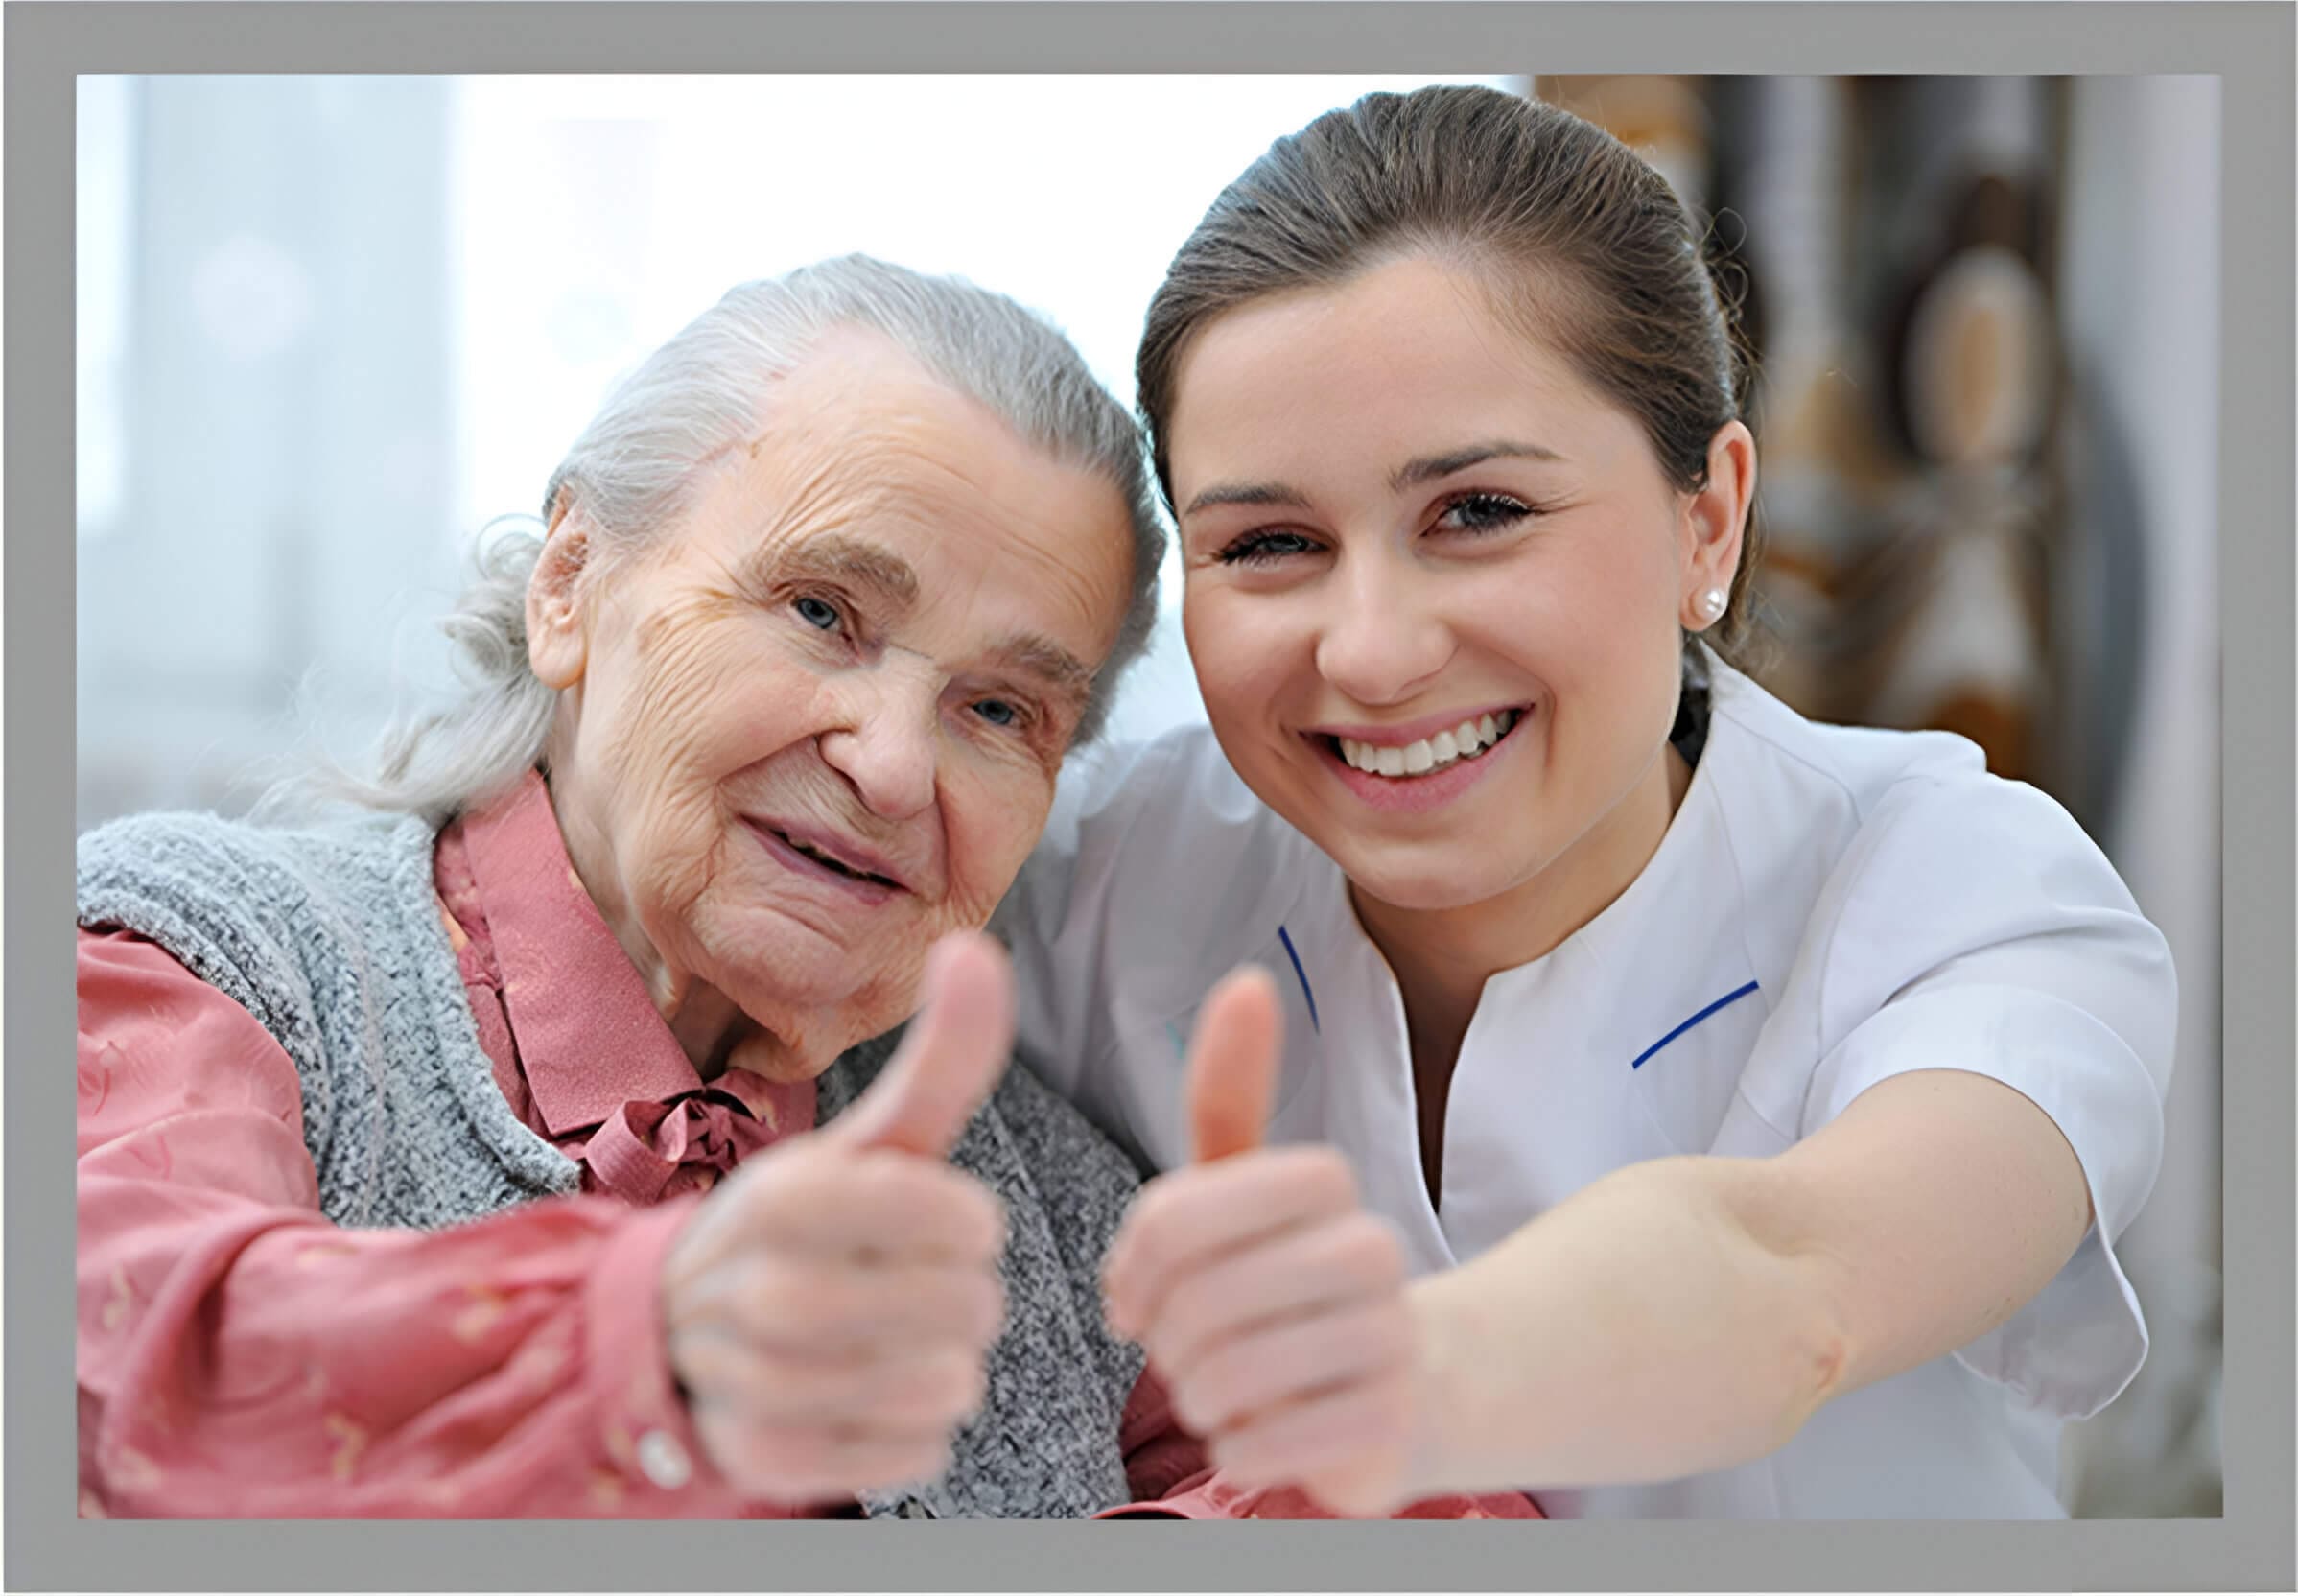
1270, 1302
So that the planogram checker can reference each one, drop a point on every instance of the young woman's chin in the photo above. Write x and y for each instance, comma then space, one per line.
1426, 882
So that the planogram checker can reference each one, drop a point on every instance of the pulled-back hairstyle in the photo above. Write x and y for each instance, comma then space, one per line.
635, 468
1577, 240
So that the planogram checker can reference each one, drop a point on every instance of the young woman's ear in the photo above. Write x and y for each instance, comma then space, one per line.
1715, 525
557, 637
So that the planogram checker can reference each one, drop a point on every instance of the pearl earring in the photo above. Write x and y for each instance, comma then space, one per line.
1712, 604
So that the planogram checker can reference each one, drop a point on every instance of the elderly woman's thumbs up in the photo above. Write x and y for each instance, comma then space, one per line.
829, 1308
1270, 1302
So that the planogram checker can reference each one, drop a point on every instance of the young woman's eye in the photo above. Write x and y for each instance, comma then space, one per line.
1264, 549
818, 613
1483, 512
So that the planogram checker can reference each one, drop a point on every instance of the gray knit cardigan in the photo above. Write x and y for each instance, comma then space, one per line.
331, 937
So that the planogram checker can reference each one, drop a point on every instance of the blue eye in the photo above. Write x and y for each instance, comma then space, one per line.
818, 612
998, 711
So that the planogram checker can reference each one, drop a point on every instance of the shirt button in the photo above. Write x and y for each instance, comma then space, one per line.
664, 1461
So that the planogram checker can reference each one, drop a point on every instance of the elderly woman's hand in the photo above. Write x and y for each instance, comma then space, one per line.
829, 1306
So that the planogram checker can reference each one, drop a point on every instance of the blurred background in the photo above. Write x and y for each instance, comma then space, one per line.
329, 328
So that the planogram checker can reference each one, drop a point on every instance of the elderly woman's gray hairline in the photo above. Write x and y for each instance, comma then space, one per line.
697, 395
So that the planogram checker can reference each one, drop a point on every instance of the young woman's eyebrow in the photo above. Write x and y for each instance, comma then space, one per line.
1247, 493
1429, 468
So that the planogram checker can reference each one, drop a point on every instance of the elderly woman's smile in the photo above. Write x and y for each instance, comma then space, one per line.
865, 874
816, 725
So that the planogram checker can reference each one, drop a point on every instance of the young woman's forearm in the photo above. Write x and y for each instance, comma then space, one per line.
1640, 1331
1689, 1314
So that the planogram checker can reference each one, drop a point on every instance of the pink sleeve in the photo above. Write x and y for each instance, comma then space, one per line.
241, 1356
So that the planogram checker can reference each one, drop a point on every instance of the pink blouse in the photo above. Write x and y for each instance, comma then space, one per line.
239, 1355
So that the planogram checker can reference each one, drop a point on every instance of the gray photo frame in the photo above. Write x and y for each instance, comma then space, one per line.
2248, 46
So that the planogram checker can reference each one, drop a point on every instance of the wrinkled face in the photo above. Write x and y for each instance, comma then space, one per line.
1434, 584
816, 724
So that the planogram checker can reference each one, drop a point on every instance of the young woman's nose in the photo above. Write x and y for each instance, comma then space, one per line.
1381, 638
890, 744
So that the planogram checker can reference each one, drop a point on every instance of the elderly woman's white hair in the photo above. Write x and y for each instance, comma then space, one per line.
704, 391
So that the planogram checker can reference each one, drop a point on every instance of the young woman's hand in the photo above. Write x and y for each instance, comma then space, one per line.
828, 1308
1272, 1303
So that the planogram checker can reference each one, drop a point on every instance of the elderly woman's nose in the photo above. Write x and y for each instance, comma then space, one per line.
889, 752
1380, 636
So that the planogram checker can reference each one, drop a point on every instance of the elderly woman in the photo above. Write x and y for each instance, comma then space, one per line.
405, 1138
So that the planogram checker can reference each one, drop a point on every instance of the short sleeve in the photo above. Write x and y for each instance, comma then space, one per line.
1158, 872
1096, 920
1052, 919
1976, 927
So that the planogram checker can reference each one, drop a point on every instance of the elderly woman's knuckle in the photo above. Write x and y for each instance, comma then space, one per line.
700, 1362
1214, 1389
845, 1304
967, 1224
1180, 1307
1193, 1405
983, 1214
769, 1296
924, 1376
742, 1453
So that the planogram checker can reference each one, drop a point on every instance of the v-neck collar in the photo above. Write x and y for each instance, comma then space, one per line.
1612, 972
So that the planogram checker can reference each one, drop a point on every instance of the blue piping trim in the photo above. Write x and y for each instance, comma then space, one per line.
1722, 1002
1285, 937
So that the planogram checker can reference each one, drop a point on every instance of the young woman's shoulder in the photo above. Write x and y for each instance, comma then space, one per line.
1157, 871
1119, 785
1888, 810
1904, 859
1167, 829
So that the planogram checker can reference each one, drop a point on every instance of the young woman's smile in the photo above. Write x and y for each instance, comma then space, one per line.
1422, 765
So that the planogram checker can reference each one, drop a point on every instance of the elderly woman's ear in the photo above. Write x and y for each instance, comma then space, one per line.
557, 646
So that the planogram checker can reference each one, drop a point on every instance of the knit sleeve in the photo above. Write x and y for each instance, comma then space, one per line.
239, 1355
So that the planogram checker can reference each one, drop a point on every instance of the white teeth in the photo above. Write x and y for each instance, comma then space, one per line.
1466, 741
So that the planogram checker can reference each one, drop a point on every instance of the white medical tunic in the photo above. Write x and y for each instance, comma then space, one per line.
1829, 907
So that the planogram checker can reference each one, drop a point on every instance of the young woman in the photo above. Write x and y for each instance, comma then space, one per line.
1720, 1114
